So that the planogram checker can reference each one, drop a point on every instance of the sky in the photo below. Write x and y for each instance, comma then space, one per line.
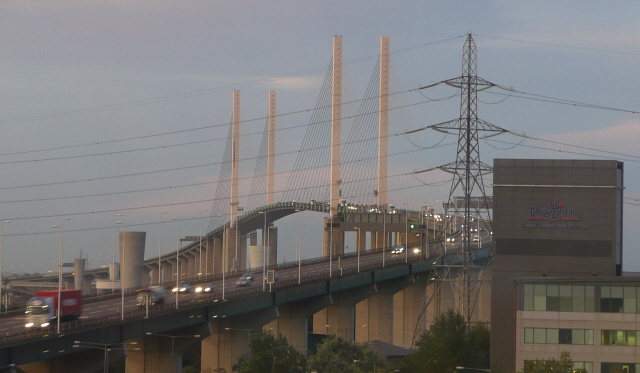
114, 107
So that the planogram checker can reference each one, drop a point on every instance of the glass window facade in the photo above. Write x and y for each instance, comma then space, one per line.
619, 367
563, 298
578, 366
558, 336
619, 299
619, 338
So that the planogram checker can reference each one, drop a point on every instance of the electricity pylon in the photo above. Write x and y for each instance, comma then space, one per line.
467, 208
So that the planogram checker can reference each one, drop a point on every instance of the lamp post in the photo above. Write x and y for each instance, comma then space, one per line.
330, 244
160, 249
61, 227
370, 362
205, 269
384, 231
102, 346
264, 251
1, 251
173, 338
358, 246
113, 254
177, 259
122, 271
298, 249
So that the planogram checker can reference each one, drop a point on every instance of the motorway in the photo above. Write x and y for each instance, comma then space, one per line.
111, 306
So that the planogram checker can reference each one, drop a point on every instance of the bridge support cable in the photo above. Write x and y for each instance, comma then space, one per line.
258, 191
222, 198
360, 150
467, 210
307, 180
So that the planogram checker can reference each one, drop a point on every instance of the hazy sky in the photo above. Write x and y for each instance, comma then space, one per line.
87, 85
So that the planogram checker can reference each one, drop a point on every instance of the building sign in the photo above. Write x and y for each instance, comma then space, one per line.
554, 216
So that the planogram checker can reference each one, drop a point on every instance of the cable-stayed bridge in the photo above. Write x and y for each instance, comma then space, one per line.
397, 253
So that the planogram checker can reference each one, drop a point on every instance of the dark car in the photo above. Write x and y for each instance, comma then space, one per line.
243, 282
249, 276
182, 288
203, 289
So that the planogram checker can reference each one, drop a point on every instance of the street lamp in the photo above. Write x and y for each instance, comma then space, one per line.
173, 337
264, 251
113, 255
61, 227
160, 249
177, 259
370, 362
122, 270
102, 346
1, 249
298, 249
358, 246
205, 269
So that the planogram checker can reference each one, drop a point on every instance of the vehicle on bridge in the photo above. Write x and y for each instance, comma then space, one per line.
42, 309
243, 282
182, 288
249, 276
397, 250
150, 296
204, 289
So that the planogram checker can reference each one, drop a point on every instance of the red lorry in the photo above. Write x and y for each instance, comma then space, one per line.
42, 309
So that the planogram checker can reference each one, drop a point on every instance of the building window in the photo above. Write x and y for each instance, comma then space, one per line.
619, 338
558, 336
563, 298
582, 367
619, 368
619, 299
578, 366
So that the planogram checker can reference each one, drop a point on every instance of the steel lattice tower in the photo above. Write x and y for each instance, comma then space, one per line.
467, 203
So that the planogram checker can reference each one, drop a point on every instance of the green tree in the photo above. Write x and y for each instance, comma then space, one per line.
270, 354
564, 365
337, 355
449, 343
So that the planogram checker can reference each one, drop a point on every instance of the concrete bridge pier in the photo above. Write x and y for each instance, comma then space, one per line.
333, 237
230, 339
153, 268
293, 320
166, 271
192, 264
146, 276
407, 309
338, 318
215, 266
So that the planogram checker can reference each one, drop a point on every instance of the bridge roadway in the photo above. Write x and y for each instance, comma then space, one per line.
101, 322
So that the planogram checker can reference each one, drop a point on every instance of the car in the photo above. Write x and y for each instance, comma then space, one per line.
203, 289
183, 288
475, 239
398, 250
243, 282
451, 239
249, 276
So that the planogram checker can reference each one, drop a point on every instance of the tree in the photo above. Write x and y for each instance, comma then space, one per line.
449, 343
337, 355
270, 354
564, 365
